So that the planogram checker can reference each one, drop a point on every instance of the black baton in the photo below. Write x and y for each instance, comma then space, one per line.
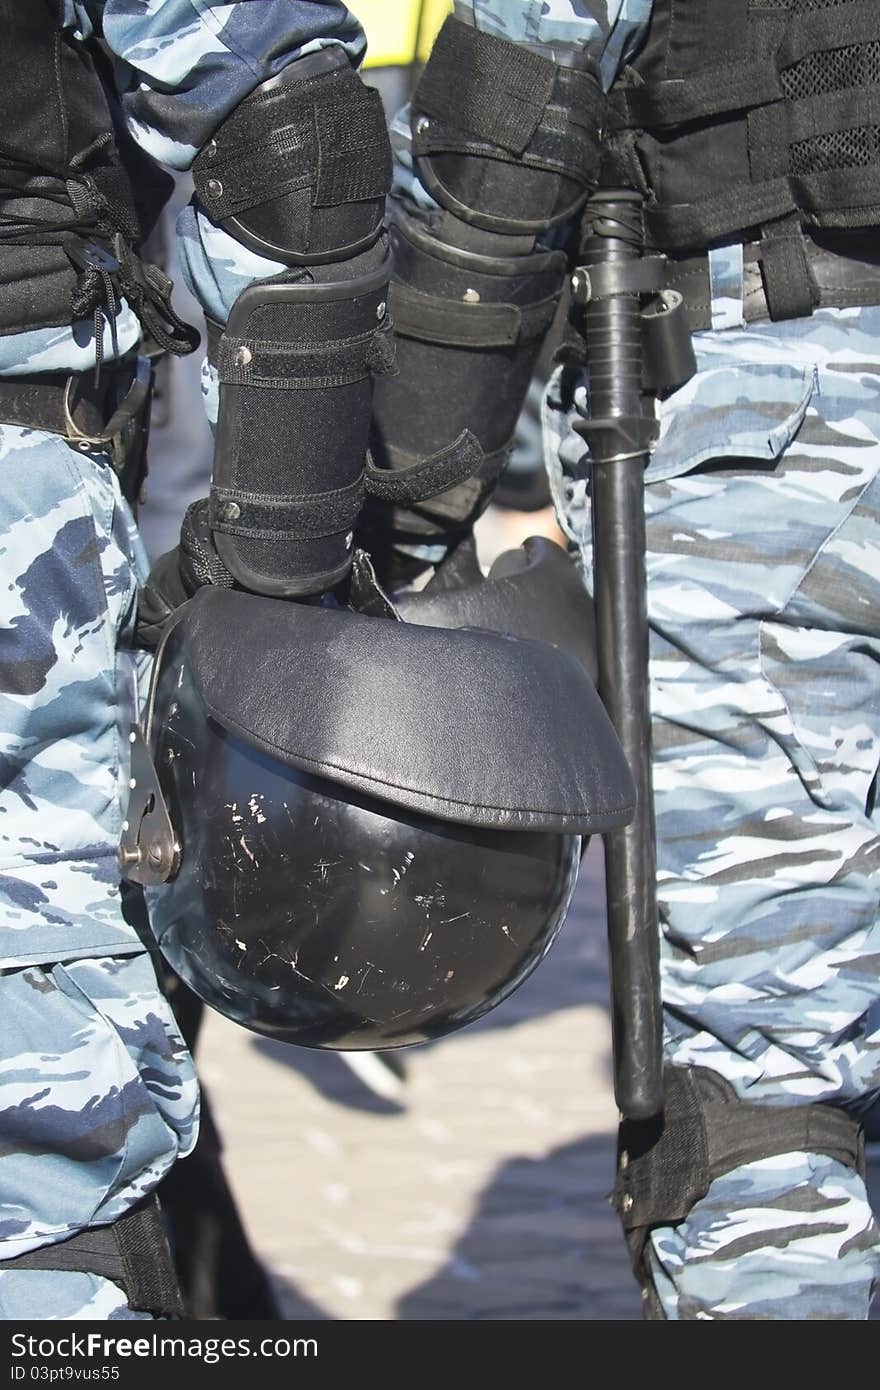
611, 286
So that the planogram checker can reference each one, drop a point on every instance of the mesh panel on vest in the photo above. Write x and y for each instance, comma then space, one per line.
796, 137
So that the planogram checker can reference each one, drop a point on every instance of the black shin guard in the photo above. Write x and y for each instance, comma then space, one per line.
299, 172
296, 365
506, 140
469, 330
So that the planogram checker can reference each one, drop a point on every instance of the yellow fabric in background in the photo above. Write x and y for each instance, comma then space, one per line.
392, 29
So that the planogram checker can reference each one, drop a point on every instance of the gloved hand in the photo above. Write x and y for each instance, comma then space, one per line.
176, 575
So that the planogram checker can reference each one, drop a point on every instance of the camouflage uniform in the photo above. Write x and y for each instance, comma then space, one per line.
766, 704
98, 1092
764, 604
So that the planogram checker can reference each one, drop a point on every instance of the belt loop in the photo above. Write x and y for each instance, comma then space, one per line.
726, 286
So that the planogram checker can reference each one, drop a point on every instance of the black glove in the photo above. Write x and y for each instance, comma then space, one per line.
175, 576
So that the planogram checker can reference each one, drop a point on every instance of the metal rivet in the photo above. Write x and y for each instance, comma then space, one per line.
626, 1202
380, 312
126, 858
211, 149
624, 1161
173, 709
214, 188
422, 124
155, 853
471, 296
243, 357
169, 755
132, 782
230, 511
581, 287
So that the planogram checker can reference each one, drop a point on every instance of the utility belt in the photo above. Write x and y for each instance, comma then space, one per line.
839, 271
111, 415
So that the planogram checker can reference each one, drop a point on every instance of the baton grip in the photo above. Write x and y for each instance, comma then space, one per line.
620, 434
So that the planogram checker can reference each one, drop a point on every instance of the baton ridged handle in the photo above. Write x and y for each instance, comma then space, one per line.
620, 434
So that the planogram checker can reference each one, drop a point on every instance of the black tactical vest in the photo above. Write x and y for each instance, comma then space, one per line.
749, 119
64, 185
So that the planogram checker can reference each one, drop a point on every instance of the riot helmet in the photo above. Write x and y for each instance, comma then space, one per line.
360, 832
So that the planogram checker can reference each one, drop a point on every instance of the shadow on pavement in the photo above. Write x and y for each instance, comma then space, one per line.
543, 1244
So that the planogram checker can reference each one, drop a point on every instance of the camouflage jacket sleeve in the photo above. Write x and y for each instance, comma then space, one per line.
185, 64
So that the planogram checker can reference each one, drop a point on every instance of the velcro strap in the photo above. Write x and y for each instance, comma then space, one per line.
495, 89
430, 476
284, 366
455, 323
303, 516
354, 155
665, 1167
270, 165
822, 30
737, 86
788, 284
132, 1253
326, 137
689, 226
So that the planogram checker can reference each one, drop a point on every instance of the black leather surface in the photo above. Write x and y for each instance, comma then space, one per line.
531, 592
472, 727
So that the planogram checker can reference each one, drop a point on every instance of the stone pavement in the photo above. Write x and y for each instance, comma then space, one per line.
481, 1194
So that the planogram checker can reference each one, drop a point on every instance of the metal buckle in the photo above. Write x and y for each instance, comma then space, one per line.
133, 401
148, 852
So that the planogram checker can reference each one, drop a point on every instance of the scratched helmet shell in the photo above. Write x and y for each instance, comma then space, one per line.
343, 849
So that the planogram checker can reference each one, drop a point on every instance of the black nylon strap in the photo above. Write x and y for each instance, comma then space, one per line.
430, 476
132, 1253
354, 159
823, 30
689, 226
454, 323
737, 86
495, 89
788, 284
667, 1165
326, 137
283, 366
298, 517
841, 278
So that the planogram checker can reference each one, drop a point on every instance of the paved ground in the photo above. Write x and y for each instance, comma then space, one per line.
482, 1195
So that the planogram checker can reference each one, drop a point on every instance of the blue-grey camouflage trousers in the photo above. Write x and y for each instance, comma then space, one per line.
762, 507
97, 1091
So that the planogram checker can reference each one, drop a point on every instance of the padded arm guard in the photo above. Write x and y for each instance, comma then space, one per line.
506, 139
299, 172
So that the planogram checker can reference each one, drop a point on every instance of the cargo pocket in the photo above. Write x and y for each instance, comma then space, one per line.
97, 1096
731, 410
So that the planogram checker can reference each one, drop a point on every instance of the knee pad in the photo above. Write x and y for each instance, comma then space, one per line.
506, 140
299, 172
